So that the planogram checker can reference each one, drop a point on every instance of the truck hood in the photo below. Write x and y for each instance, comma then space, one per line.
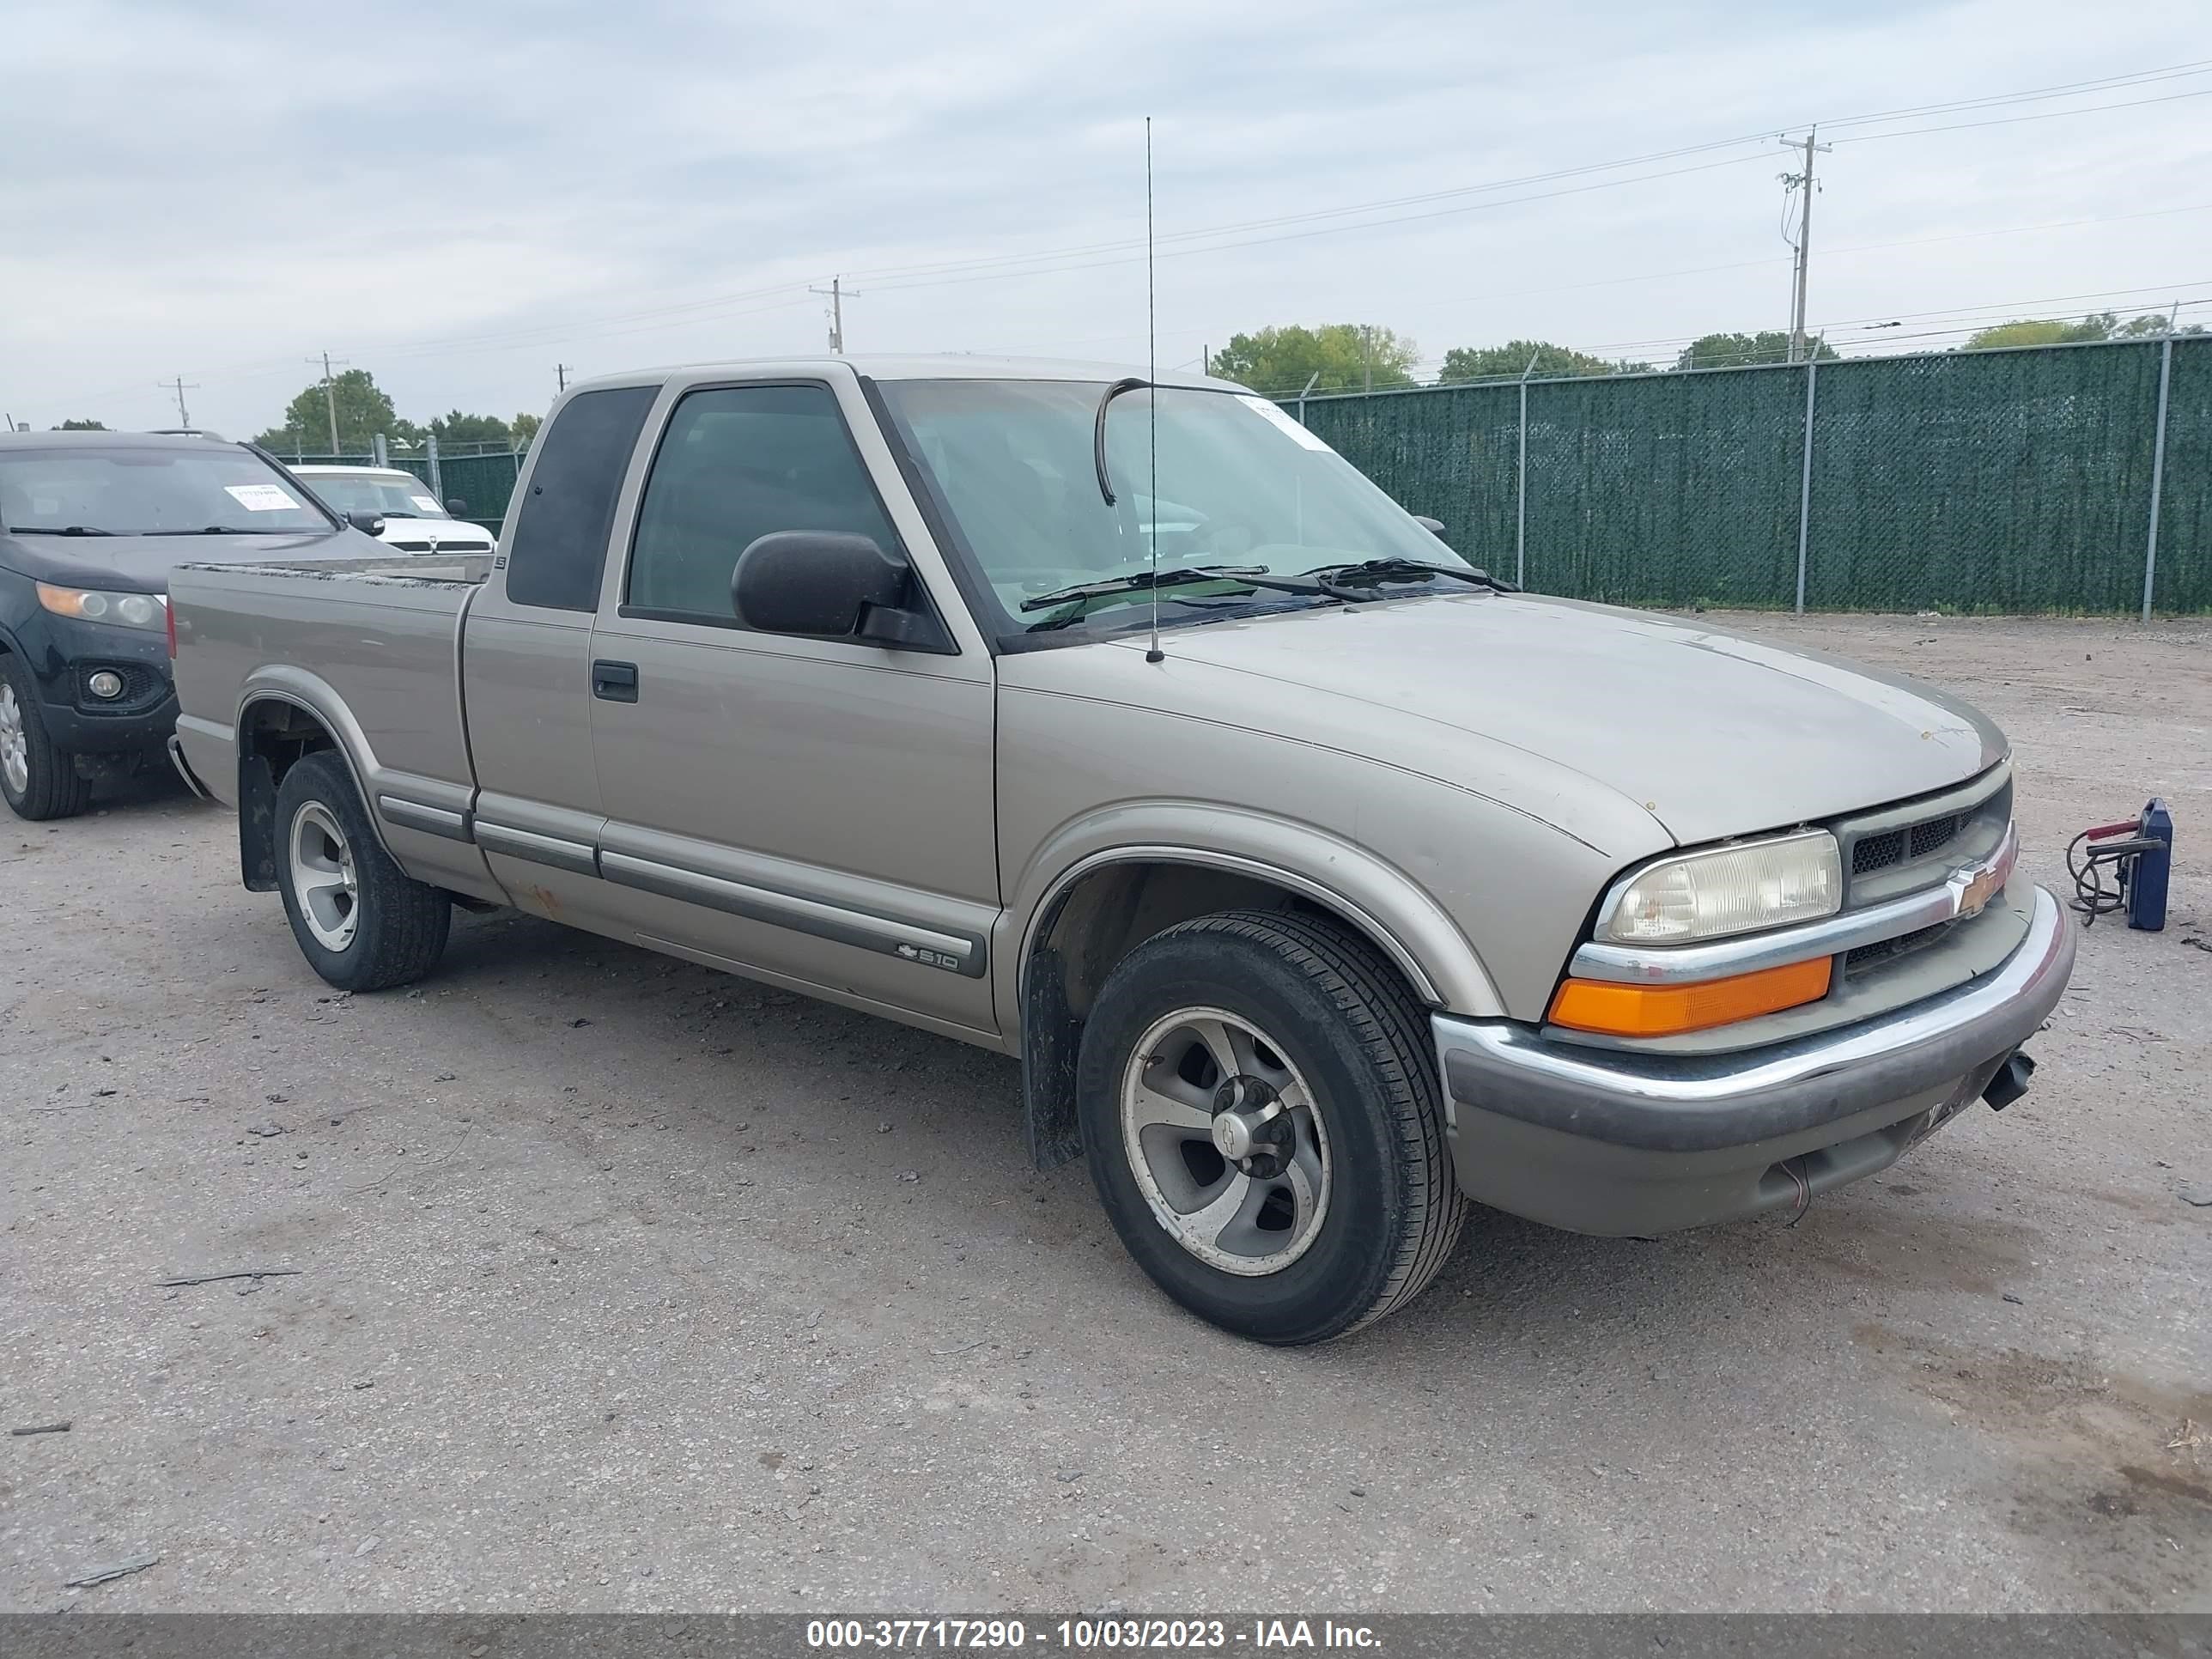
1711, 733
141, 564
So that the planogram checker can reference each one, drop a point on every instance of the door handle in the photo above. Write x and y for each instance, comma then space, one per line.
615, 682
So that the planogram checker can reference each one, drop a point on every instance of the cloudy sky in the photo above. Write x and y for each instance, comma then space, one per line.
459, 197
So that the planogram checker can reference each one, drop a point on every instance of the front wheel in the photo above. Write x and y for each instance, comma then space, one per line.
1260, 1108
362, 922
38, 778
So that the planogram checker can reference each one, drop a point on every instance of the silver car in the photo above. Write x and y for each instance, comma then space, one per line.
1320, 881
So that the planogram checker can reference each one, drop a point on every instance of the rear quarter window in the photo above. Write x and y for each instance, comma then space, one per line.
559, 547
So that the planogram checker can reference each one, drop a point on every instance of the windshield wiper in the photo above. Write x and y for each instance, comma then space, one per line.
55, 529
1409, 570
1144, 580
224, 530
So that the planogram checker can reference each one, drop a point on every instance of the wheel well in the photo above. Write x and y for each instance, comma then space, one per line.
1084, 935
273, 737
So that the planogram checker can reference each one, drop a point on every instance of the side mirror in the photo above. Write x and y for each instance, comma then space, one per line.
370, 524
457, 506
823, 582
1434, 526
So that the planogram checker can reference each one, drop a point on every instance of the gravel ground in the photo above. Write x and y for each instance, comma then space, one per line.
622, 1286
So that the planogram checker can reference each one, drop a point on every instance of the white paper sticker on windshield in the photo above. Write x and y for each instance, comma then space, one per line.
425, 503
1278, 417
261, 498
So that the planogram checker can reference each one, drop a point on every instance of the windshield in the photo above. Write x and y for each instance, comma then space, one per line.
150, 492
395, 495
1239, 484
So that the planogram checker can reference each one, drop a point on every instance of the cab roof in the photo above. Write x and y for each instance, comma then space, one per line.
112, 440
942, 365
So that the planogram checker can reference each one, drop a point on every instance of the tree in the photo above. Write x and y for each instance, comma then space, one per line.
363, 410
457, 429
1510, 361
2097, 326
524, 428
1345, 356
82, 426
1770, 345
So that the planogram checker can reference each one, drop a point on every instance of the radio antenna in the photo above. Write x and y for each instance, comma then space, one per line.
1152, 412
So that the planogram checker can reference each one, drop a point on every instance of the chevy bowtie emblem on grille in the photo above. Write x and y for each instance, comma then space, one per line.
1977, 892
1977, 887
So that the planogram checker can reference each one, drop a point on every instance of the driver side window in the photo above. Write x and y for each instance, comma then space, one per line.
738, 463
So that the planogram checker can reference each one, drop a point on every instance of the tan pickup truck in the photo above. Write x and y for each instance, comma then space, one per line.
1320, 881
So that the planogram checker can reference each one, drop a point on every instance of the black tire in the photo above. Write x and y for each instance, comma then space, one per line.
53, 788
399, 924
1347, 1023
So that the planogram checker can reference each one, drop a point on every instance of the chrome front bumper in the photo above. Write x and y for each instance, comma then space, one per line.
1605, 1141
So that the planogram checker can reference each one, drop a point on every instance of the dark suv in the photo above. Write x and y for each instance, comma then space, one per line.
91, 524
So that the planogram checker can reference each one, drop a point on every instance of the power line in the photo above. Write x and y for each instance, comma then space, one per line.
2065, 89
991, 264
995, 267
2040, 115
2198, 67
1328, 230
1495, 295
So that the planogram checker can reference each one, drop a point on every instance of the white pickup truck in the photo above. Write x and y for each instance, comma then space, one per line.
1320, 881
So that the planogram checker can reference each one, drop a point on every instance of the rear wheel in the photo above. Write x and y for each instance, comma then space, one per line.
1261, 1112
38, 778
362, 922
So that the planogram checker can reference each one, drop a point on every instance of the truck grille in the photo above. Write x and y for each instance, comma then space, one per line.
1914, 841
1885, 952
1900, 849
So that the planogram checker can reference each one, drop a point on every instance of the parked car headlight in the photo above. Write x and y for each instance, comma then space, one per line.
150, 612
1730, 890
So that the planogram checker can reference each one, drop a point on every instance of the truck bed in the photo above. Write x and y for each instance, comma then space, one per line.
370, 644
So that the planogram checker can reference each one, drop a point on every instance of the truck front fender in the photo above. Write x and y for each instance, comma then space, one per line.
1219, 858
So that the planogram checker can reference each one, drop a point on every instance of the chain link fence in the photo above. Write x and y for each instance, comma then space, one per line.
2072, 478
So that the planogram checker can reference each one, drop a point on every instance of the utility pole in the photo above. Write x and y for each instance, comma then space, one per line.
1367, 357
836, 294
331, 399
560, 376
1804, 182
177, 386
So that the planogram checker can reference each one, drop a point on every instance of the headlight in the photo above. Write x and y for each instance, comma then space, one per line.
1730, 890
147, 610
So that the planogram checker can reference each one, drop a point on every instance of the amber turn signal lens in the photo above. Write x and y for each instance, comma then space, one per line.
1634, 1010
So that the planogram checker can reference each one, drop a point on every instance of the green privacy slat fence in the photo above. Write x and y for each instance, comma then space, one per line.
483, 483
1677, 504
1449, 453
2183, 576
2016, 481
